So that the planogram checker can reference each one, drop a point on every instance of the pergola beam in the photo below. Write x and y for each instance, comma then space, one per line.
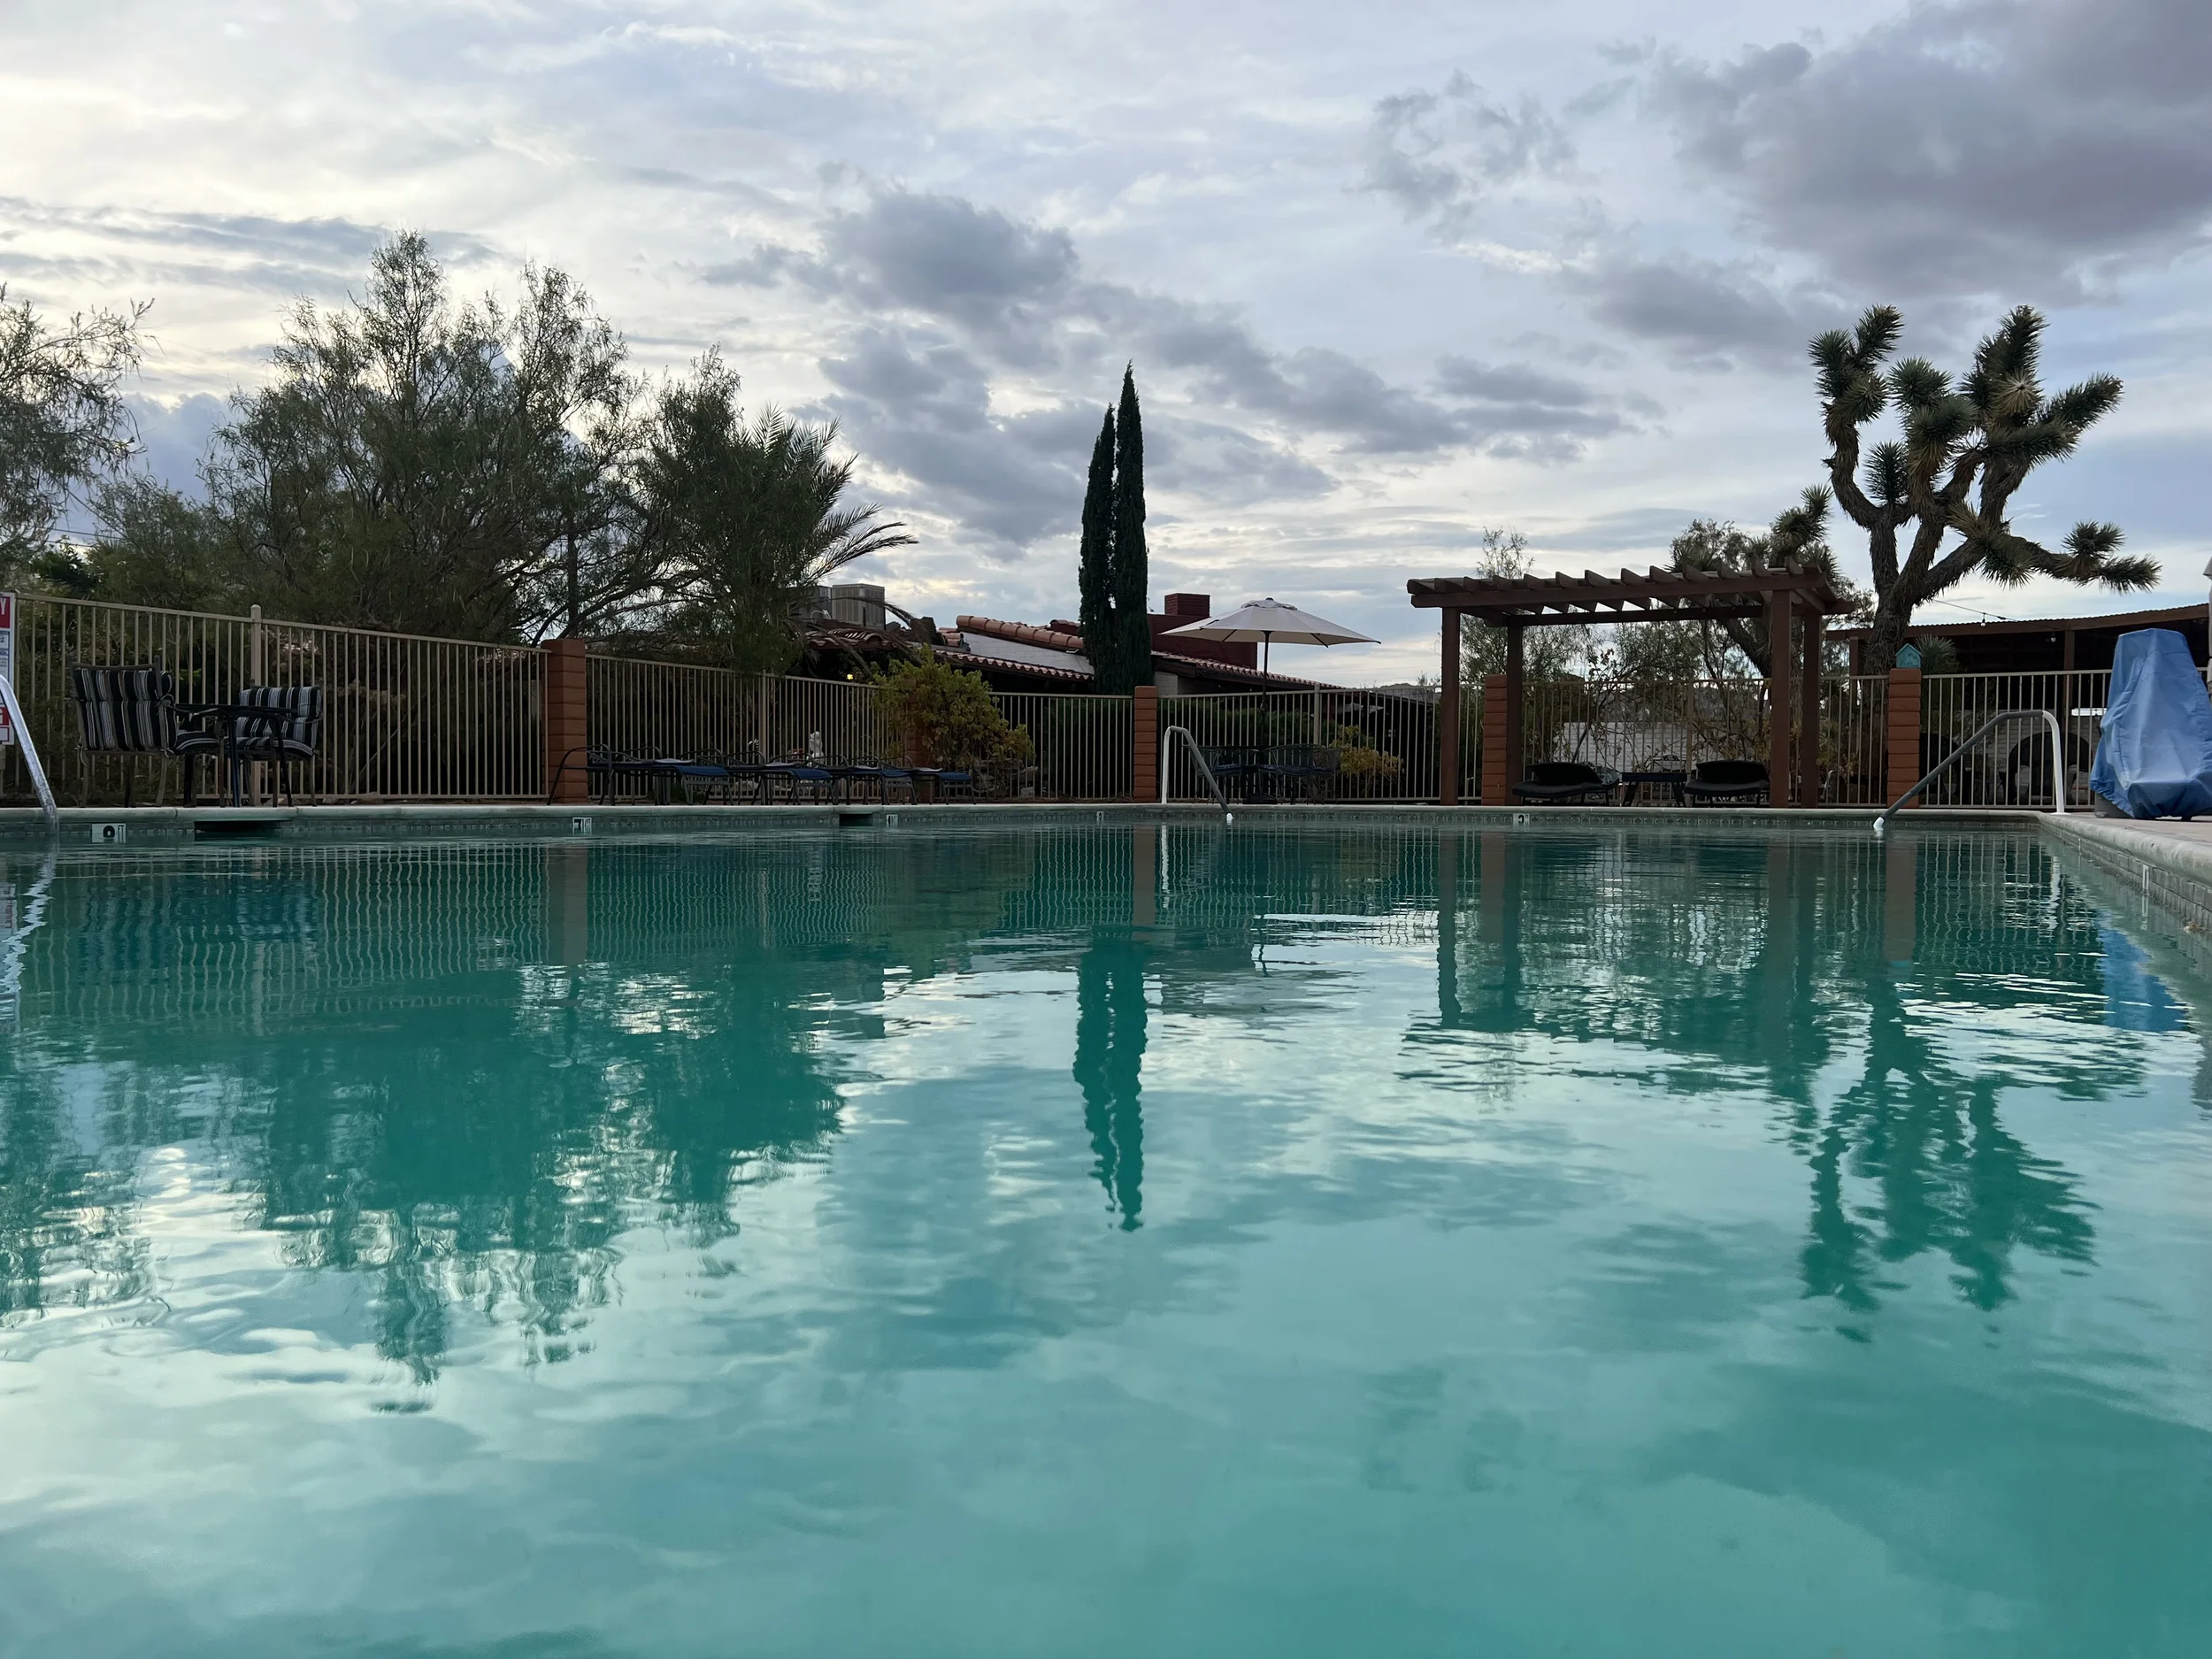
1783, 595
1468, 593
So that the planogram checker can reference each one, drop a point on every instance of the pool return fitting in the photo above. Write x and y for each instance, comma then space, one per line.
30, 753
2058, 761
1167, 749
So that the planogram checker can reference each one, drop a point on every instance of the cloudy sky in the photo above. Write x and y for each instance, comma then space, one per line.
1389, 273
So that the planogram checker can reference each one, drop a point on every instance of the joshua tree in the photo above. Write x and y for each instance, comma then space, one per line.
1968, 446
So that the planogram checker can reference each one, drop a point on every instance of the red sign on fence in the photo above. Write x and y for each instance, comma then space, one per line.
7, 658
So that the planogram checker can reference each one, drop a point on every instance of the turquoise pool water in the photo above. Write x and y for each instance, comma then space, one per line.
1110, 1243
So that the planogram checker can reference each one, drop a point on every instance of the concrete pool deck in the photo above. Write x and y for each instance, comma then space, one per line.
170, 825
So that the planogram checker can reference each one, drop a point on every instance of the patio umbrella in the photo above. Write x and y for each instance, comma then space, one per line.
1267, 620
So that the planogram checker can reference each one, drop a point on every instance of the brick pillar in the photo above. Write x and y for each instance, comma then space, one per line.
1497, 787
1447, 779
1144, 743
1904, 732
566, 722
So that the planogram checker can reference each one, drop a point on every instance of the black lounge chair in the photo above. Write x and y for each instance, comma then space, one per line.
1297, 769
1233, 768
1558, 782
1720, 782
285, 737
602, 769
135, 712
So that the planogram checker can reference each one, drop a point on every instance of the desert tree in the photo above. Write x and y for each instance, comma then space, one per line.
1934, 504
64, 425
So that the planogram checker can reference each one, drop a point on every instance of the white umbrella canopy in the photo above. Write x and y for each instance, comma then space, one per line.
1263, 621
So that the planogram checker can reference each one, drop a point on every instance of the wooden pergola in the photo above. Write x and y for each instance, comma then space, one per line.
1779, 595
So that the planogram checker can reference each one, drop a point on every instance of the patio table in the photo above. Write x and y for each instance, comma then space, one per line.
1672, 781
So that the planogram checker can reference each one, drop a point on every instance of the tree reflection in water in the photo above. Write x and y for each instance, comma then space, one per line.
1729, 956
1109, 1034
465, 1072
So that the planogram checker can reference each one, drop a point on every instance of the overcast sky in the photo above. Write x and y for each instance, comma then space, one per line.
1389, 273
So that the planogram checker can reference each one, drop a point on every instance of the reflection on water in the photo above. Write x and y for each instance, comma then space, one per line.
1768, 1103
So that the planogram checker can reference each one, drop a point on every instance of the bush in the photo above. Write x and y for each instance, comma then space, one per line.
946, 717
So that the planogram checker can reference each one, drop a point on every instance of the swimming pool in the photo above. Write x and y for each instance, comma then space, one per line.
1183, 1241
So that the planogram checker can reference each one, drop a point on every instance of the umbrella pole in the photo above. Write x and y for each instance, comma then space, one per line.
1267, 642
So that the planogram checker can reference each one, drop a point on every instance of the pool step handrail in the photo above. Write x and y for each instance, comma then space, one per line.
2058, 761
1167, 751
22, 729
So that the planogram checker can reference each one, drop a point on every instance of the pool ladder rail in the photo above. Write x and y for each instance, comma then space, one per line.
1167, 750
2058, 761
22, 730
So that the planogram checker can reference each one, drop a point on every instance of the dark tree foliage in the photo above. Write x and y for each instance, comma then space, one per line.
1969, 442
417, 464
1131, 560
1094, 572
748, 520
1115, 566
1798, 536
64, 425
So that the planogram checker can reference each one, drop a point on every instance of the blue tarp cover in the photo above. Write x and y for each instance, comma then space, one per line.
2154, 757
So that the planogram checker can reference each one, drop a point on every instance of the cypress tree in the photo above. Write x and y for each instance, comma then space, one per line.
1101, 643
1132, 567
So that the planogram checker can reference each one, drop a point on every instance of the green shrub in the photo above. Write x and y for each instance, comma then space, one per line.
946, 717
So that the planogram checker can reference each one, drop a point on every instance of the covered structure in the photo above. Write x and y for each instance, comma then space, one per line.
1780, 595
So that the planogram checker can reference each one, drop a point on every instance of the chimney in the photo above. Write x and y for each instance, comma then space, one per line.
1189, 607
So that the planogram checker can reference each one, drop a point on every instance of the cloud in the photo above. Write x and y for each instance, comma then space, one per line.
114, 245
1518, 410
172, 436
919, 405
2028, 146
947, 300
1438, 153
1015, 294
1706, 313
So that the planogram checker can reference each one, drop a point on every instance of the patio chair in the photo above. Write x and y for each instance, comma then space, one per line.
1233, 768
288, 735
1294, 768
134, 711
1560, 782
1719, 782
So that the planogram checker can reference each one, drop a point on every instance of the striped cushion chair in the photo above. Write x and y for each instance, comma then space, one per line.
288, 735
134, 711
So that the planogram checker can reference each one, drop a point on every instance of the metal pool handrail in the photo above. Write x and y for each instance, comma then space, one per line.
1167, 746
2058, 761
30, 754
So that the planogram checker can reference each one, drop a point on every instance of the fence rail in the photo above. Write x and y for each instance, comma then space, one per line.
405, 718
411, 717
1386, 745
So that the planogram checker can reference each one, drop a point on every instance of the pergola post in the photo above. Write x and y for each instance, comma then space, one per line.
1447, 716
1517, 604
1516, 756
1779, 707
1808, 710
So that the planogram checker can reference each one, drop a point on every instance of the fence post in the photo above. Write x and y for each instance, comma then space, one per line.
1496, 788
1144, 743
255, 672
567, 720
1904, 732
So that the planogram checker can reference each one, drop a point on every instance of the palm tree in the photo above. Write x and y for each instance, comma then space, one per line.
748, 518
